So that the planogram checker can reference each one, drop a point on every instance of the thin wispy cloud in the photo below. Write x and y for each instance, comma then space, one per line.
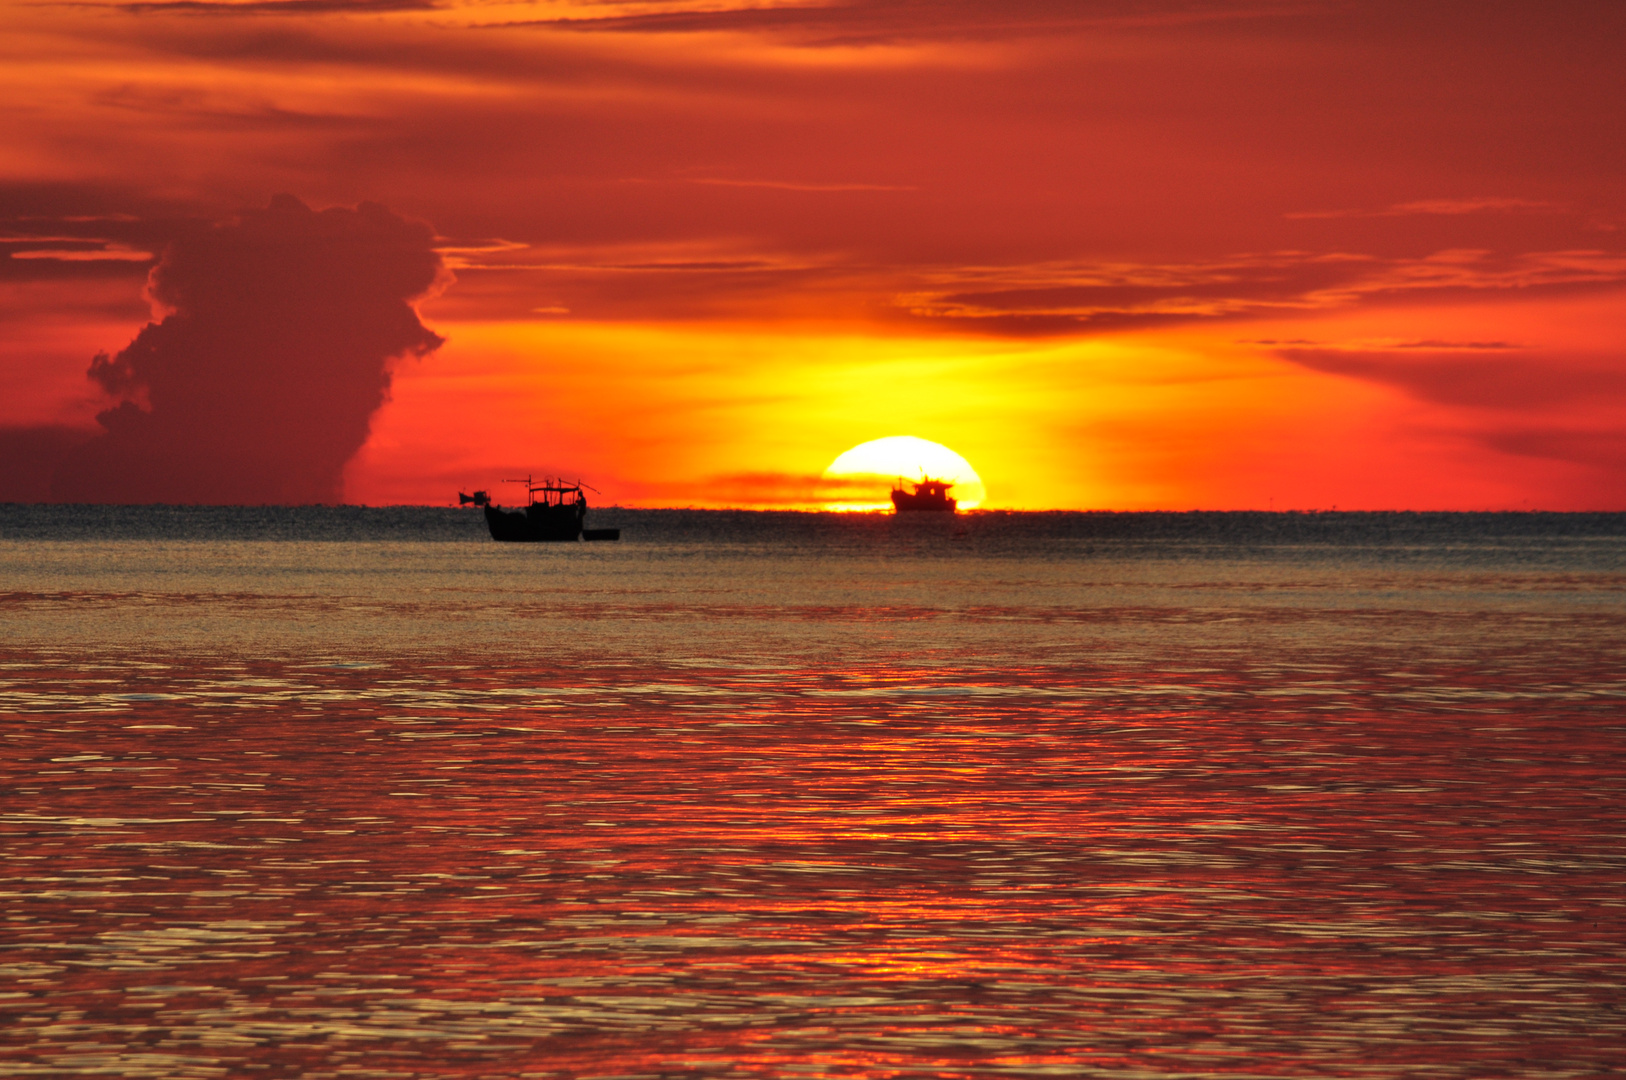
1440, 208
791, 185
268, 7
1296, 282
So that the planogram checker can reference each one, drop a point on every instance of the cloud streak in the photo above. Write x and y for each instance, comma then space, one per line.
273, 7
1061, 298
1439, 207
1495, 377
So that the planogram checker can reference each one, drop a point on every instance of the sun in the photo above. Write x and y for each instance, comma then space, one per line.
866, 473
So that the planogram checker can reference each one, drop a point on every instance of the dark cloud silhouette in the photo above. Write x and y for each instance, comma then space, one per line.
1485, 374
1598, 449
261, 381
29, 457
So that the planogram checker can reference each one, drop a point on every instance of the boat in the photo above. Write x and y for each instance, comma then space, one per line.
559, 514
929, 494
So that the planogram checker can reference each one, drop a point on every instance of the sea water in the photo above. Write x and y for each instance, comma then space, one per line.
333, 792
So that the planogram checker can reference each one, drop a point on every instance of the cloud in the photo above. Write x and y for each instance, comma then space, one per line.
1068, 297
1480, 374
261, 381
888, 21
1540, 404
694, 280
1440, 207
1157, 131
29, 456
51, 232
1597, 449
785, 185
275, 7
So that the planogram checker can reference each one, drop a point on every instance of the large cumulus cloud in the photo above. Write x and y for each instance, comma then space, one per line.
261, 381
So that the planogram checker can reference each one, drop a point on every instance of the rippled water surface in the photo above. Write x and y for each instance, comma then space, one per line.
363, 794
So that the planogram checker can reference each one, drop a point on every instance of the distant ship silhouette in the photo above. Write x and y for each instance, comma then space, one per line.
558, 515
929, 494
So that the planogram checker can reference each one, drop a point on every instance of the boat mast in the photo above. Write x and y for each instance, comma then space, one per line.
530, 492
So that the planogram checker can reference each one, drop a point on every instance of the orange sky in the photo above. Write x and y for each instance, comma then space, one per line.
1119, 255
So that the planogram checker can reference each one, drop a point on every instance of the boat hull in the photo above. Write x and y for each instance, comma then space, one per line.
904, 502
537, 524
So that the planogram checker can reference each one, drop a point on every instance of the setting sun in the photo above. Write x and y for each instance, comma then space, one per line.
876, 465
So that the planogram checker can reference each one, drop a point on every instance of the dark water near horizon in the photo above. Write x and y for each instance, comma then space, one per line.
346, 792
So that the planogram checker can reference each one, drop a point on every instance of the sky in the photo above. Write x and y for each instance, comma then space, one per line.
1140, 254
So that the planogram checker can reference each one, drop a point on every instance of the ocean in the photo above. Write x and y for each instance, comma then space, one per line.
359, 793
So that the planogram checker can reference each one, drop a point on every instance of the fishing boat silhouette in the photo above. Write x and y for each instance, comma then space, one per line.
559, 514
929, 494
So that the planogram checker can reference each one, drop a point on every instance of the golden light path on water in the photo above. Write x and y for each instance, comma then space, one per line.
901, 459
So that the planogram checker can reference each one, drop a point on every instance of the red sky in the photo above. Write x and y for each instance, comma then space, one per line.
1118, 255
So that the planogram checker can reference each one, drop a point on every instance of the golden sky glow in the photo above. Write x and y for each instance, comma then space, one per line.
1117, 255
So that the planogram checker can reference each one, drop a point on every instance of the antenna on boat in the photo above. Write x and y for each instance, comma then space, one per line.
530, 492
